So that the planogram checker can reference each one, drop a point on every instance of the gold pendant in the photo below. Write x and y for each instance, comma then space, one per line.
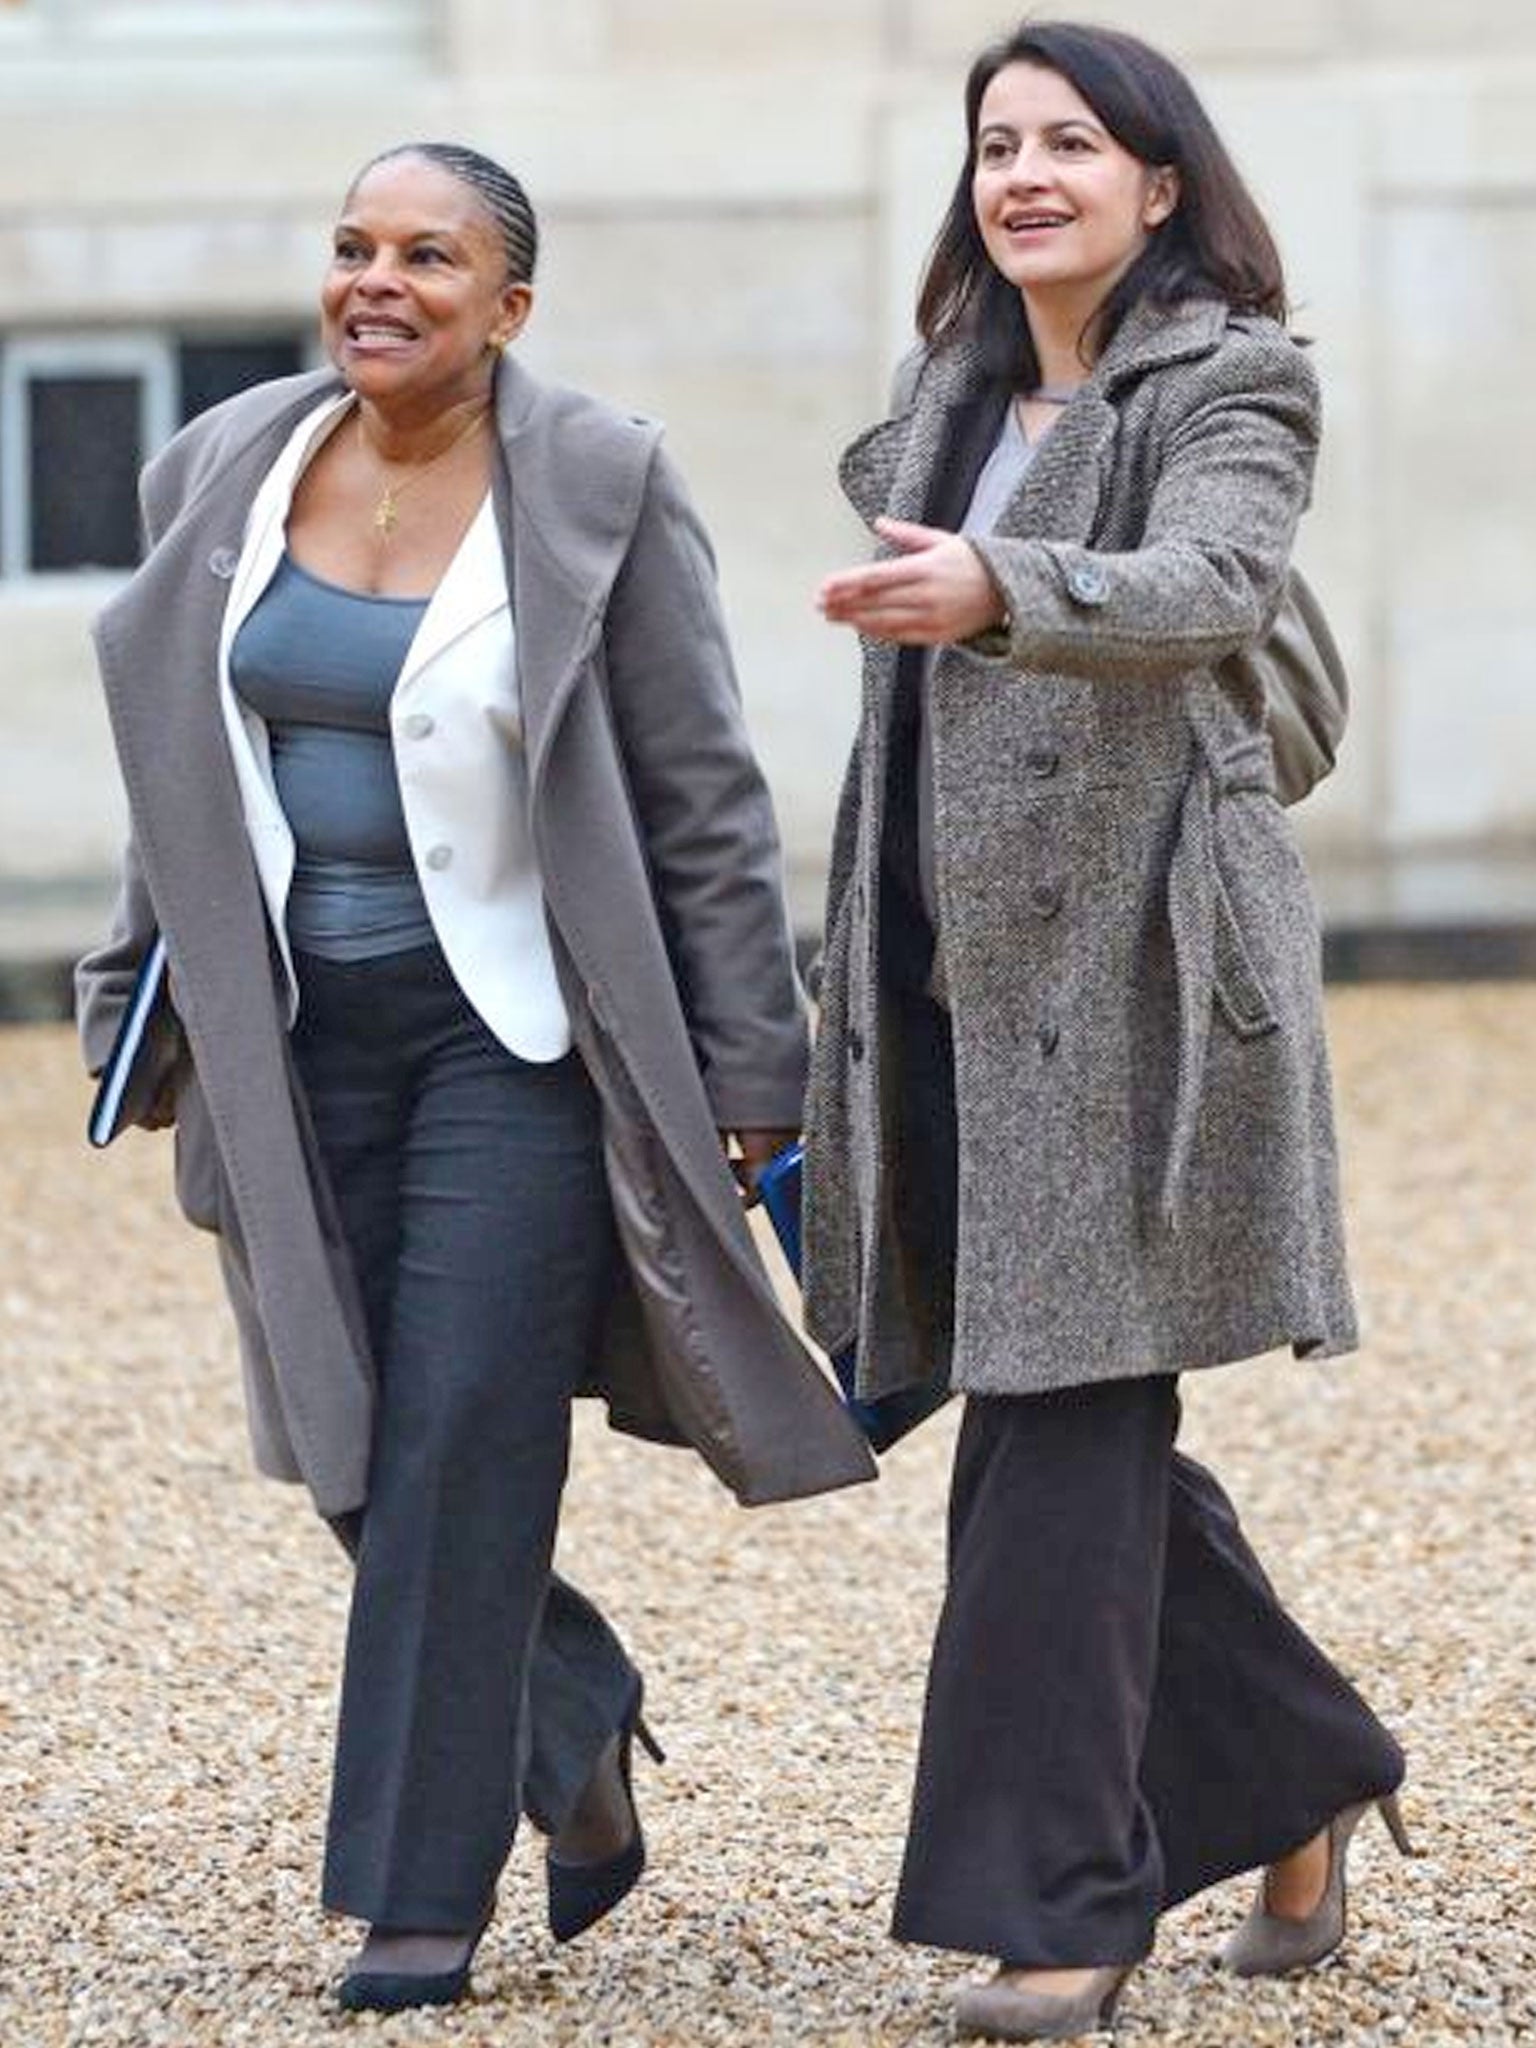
386, 515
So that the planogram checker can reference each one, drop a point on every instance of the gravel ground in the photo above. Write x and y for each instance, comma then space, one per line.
171, 1628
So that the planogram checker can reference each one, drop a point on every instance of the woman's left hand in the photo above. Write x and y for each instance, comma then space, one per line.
934, 592
758, 1149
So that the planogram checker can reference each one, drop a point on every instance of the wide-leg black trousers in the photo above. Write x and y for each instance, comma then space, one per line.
1120, 1712
472, 1196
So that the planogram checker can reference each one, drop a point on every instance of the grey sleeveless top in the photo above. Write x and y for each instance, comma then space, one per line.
319, 664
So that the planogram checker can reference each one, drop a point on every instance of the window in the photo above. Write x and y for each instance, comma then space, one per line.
79, 416
217, 367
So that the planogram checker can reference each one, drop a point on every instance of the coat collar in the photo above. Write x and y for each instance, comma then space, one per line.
568, 498
887, 470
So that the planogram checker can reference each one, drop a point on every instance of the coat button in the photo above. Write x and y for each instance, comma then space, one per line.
223, 563
1088, 583
855, 1045
1042, 762
419, 725
439, 856
1046, 898
1047, 1037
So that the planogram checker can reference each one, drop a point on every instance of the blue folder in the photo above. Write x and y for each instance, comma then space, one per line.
142, 1055
888, 1418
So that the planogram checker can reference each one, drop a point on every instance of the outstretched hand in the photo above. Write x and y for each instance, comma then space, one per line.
935, 591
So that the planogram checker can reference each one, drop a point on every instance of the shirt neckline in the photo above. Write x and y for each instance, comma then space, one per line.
345, 589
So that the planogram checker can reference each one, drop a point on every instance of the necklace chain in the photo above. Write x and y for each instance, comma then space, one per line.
386, 514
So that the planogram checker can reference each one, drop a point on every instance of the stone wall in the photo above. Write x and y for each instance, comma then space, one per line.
736, 200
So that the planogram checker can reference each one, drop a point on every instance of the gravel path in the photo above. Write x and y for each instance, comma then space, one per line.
171, 1628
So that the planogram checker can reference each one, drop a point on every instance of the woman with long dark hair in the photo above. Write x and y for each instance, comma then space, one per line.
1070, 1126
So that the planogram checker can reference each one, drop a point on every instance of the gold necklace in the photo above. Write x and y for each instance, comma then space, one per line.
386, 514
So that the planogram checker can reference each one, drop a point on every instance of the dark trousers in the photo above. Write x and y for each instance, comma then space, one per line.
471, 1193
1119, 1712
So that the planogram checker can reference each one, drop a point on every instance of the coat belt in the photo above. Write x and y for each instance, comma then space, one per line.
1211, 960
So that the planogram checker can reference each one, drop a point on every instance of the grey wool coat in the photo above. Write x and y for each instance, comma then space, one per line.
660, 865
1147, 1171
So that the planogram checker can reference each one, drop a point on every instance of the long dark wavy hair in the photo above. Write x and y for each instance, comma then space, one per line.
1215, 243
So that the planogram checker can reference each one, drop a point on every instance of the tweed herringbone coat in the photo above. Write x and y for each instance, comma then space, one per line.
1147, 1170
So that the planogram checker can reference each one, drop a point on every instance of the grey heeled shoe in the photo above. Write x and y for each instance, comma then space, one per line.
1272, 1944
1000, 2011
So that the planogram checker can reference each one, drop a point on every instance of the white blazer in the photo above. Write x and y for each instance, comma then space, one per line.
457, 732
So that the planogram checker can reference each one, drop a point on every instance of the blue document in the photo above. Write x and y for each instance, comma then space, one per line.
142, 1054
884, 1420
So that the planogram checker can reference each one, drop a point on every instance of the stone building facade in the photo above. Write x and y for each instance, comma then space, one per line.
736, 199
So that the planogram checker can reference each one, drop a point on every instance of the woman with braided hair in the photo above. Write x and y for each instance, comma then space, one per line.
470, 888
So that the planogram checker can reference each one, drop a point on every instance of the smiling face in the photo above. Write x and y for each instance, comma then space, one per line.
417, 289
1063, 208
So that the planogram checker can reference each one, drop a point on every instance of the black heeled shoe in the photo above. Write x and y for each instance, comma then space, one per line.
399, 1990
581, 1893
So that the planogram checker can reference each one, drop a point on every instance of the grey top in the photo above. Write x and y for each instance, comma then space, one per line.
319, 664
1002, 473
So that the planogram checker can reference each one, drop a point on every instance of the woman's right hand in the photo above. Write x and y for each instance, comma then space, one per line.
935, 591
161, 1113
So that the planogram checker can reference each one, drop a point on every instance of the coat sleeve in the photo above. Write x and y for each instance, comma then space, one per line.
704, 815
1234, 477
104, 978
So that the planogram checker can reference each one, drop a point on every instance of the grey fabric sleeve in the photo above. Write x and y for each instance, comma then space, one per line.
104, 978
1209, 573
705, 815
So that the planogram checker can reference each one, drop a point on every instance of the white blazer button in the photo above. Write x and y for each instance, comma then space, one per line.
419, 725
439, 856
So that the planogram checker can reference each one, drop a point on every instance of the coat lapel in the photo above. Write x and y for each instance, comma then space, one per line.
888, 471
158, 643
563, 544
1061, 491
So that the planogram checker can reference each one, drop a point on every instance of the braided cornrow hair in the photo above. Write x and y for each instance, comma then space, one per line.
501, 194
